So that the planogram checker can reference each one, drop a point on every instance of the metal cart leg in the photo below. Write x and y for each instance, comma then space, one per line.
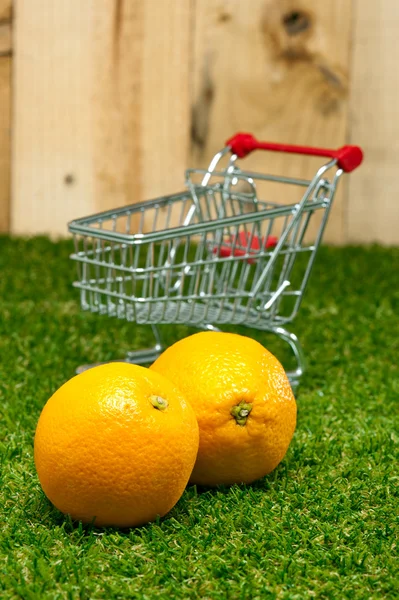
142, 357
137, 357
292, 340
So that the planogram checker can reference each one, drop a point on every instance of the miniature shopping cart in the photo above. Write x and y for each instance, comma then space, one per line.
222, 252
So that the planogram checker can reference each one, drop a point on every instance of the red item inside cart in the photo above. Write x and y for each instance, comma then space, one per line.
244, 243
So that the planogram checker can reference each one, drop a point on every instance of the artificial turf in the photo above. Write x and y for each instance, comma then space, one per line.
324, 524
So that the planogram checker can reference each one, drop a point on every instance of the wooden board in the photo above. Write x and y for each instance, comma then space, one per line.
141, 90
5, 113
373, 209
101, 107
52, 175
278, 70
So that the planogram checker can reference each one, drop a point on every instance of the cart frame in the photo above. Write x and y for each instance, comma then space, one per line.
223, 262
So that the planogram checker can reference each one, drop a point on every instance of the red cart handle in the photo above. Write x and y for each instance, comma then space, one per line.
348, 157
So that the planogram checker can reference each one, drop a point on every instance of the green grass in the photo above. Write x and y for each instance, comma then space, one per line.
323, 525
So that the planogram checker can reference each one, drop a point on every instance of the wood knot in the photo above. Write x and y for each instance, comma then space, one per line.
289, 33
69, 179
295, 22
224, 17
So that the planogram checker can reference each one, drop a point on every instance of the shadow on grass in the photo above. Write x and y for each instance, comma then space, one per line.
42, 512
264, 484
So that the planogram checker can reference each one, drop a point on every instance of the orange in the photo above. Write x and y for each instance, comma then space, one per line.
116, 445
244, 404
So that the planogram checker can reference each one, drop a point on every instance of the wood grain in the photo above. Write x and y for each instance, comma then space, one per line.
373, 209
142, 87
5, 10
5, 39
101, 107
278, 70
5, 113
5, 161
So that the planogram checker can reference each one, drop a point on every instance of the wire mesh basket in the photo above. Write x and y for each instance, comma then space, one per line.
218, 253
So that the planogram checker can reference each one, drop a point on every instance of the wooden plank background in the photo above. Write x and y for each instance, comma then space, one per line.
113, 99
373, 207
5, 113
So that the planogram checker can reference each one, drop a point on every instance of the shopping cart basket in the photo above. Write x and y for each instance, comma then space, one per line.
218, 253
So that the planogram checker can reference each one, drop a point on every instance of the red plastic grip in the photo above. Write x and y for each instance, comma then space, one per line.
348, 157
